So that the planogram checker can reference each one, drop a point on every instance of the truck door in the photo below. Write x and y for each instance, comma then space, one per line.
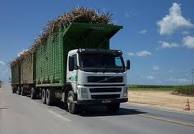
72, 71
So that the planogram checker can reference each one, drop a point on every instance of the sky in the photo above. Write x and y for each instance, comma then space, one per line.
157, 36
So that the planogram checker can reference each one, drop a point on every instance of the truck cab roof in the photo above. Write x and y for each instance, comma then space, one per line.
103, 51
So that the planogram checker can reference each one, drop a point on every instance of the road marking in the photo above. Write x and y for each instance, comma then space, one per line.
59, 116
168, 120
166, 109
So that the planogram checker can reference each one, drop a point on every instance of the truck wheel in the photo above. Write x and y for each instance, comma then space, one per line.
72, 106
114, 108
22, 91
18, 91
43, 96
33, 93
64, 100
13, 90
50, 97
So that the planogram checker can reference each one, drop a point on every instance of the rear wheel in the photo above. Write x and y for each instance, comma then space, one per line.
13, 90
72, 106
50, 97
18, 91
22, 91
114, 108
33, 93
43, 96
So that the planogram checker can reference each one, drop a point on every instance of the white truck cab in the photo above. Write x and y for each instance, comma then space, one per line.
98, 76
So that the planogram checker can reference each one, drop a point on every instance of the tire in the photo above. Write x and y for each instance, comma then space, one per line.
22, 91
113, 108
13, 90
72, 106
64, 99
19, 91
43, 94
50, 97
33, 93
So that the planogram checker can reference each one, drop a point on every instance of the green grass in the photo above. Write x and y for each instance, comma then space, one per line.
182, 89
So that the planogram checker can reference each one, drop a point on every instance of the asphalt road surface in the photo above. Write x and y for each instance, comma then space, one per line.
21, 115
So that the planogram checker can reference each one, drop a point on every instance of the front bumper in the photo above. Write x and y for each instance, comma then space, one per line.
101, 101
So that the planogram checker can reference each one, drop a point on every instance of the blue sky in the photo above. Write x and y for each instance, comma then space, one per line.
158, 36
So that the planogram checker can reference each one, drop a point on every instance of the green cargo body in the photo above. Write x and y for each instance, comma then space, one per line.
27, 70
15, 74
51, 57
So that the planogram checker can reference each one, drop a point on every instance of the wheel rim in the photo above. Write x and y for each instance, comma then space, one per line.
47, 97
43, 96
31, 93
47, 94
69, 102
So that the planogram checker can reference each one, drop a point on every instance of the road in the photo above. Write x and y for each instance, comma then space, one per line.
21, 115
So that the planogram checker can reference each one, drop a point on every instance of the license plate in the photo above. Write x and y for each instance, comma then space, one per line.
106, 101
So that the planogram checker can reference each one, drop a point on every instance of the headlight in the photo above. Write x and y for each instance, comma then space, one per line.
125, 92
84, 93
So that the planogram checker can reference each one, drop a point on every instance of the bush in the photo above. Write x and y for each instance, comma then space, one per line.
184, 90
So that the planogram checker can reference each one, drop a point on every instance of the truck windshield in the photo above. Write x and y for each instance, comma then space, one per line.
101, 62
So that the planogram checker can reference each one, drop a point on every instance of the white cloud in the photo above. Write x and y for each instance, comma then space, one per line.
179, 80
150, 77
165, 44
144, 31
131, 53
173, 21
2, 62
188, 41
143, 53
156, 68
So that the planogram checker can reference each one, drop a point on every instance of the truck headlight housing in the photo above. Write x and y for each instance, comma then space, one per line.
84, 93
125, 92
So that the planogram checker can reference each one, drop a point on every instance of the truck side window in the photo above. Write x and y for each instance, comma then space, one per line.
72, 62
75, 61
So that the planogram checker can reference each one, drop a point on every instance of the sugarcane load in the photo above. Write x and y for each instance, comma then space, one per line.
71, 61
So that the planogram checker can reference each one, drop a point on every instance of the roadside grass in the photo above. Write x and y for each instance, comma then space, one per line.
187, 90
150, 88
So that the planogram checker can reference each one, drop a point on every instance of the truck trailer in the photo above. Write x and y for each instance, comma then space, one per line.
76, 66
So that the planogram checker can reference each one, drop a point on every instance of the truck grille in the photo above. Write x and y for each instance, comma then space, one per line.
97, 90
105, 79
110, 96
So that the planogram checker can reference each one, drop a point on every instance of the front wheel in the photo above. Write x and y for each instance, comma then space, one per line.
72, 106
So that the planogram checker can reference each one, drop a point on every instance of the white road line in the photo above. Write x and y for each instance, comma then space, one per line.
168, 120
59, 116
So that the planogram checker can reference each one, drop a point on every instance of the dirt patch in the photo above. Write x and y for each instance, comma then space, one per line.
161, 99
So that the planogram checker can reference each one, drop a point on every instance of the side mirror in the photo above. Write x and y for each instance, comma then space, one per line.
128, 66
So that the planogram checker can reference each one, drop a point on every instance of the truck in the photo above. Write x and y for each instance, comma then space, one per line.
76, 66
